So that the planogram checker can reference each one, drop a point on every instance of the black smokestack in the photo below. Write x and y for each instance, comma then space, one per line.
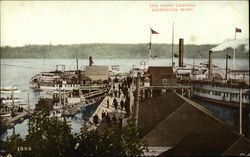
210, 65
90, 61
181, 51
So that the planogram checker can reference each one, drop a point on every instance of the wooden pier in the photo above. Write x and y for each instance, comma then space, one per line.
10, 121
95, 93
104, 107
144, 90
18, 117
90, 88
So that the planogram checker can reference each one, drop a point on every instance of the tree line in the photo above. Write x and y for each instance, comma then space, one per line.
113, 51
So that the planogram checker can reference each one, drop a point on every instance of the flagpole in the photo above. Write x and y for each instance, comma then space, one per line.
234, 48
150, 45
173, 44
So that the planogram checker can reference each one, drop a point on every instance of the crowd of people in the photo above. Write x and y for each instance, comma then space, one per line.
119, 93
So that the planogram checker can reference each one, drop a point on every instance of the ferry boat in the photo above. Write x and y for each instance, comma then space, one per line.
9, 100
6, 89
52, 80
213, 84
223, 93
7, 114
69, 80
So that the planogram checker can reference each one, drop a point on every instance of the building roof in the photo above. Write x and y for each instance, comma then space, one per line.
96, 72
174, 121
160, 71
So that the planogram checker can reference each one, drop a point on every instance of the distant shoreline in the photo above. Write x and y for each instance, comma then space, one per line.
112, 51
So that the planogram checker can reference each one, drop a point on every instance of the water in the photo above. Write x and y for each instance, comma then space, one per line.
18, 72
225, 113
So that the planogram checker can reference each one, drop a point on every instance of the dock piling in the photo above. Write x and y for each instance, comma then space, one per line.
137, 98
28, 101
60, 97
240, 95
12, 96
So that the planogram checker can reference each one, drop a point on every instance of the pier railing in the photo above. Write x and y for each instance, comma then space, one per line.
164, 87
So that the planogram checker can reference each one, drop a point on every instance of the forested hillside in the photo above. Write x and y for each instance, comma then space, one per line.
113, 51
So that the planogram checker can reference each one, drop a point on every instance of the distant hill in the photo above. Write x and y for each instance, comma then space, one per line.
113, 51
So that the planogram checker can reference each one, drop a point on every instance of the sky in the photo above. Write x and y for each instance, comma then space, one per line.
76, 22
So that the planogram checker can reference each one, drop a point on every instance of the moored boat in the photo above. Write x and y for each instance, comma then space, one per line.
214, 84
7, 89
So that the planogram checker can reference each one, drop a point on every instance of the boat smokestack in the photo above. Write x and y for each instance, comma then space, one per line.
181, 51
90, 61
210, 65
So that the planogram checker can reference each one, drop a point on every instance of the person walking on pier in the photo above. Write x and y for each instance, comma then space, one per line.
108, 120
103, 115
119, 94
106, 113
125, 91
95, 119
127, 107
115, 93
120, 121
122, 85
108, 102
122, 104
114, 119
119, 87
115, 103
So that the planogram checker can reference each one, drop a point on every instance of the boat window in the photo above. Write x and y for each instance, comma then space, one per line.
164, 81
218, 93
244, 96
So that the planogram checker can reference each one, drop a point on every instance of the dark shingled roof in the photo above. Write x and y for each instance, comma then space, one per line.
160, 71
174, 121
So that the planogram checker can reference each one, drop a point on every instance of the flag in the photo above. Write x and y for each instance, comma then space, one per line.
153, 31
237, 30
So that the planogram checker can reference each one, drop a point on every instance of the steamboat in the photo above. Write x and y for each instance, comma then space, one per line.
210, 83
75, 79
214, 84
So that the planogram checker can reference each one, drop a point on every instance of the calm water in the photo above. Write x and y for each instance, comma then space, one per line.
18, 72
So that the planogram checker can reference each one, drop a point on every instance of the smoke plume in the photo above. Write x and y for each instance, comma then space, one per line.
232, 43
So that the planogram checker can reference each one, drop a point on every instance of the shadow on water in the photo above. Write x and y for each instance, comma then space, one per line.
226, 113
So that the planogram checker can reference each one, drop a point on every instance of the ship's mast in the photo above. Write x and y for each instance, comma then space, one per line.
76, 60
173, 45
210, 66
150, 46
227, 57
237, 30
234, 50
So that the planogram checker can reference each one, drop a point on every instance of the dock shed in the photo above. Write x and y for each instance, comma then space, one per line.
162, 76
96, 72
